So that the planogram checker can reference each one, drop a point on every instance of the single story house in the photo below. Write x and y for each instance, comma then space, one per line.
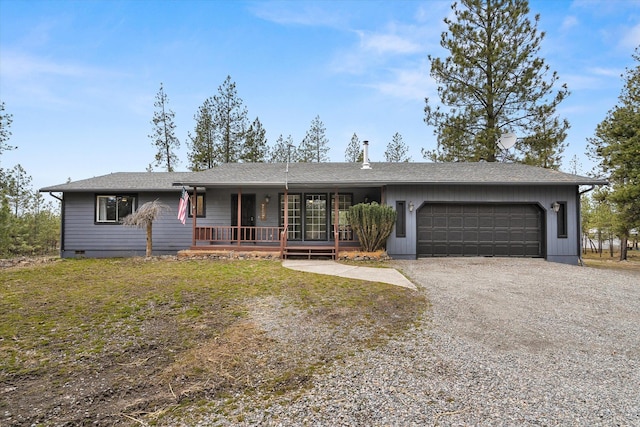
444, 209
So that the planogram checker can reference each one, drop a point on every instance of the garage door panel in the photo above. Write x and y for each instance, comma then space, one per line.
439, 221
479, 230
455, 222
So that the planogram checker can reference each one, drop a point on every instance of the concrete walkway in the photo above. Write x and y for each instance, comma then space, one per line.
332, 268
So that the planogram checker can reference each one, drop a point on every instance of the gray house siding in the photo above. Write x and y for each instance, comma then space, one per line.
83, 237
556, 249
455, 195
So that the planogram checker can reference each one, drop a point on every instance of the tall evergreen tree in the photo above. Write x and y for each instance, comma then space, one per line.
354, 152
255, 149
163, 134
230, 119
492, 82
283, 151
19, 190
616, 148
397, 150
545, 147
315, 145
202, 145
5, 134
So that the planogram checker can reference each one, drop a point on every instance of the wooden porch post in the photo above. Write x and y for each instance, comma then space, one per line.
336, 219
239, 215
285, 233
194, 214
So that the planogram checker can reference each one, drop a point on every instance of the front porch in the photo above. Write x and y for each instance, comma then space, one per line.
270, 239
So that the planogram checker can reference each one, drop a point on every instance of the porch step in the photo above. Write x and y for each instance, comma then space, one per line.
309, 251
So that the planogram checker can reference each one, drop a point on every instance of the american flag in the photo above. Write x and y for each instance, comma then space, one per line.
182, 207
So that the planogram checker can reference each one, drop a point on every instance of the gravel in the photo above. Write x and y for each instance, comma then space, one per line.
506, 342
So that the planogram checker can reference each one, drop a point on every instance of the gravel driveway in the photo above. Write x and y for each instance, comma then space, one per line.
506, 342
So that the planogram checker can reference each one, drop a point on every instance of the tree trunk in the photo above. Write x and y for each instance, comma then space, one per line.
611, 245
623, 248
149, 240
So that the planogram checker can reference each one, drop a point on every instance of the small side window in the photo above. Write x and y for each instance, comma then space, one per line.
112, 208
562, 220
200, 206
401, 221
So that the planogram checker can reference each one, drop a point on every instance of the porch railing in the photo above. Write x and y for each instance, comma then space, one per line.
243, 234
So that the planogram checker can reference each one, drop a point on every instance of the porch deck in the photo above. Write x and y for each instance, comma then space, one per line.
267, 239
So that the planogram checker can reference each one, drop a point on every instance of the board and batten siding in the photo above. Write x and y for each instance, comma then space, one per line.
83, 237
556, 249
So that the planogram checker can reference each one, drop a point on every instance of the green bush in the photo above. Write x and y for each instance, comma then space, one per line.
372, 223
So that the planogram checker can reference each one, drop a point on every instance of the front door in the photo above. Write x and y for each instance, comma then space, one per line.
247, 215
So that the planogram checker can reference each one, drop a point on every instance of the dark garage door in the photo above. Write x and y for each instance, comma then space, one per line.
479, 230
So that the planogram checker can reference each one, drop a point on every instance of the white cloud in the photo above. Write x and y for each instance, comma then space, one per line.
412, 84
606, 72
569, 22
20, 66
631, 38
382, 44
297, 13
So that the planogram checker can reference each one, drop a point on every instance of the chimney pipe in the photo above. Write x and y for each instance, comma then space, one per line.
365, 156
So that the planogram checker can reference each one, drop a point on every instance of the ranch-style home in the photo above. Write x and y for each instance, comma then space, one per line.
443, 210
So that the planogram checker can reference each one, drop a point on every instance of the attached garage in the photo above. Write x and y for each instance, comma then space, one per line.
476, 229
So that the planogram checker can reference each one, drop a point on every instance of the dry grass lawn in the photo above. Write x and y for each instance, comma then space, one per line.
605, 260
130, 341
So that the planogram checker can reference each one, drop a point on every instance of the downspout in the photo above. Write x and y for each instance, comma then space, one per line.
579, 222
61, 220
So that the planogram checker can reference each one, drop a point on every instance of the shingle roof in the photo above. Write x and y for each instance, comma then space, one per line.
123, 181
330, 174
352, 174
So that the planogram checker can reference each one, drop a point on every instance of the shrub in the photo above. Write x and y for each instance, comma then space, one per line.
372, 223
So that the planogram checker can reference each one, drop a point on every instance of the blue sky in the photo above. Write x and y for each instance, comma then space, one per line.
80, 77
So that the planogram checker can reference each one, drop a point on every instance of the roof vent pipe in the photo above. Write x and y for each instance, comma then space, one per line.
365, 156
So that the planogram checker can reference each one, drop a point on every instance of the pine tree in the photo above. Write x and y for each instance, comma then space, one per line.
493, 82
616, 148
163, 133
255, 147
545, 147
397, 151
5, 134
19, 190
202, 145
354, 152
283, 151
315, 145
230, 120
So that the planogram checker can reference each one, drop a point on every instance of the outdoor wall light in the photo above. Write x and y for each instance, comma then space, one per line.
555, 206
267, 198
411, 206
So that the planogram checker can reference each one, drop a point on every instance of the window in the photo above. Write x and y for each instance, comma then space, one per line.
315, 218
401, 219
294, 216
200, 206
562, 220
111, 209
344, 228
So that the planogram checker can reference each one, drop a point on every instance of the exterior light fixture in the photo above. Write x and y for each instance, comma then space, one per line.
267, 198
555, 206
411, 206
